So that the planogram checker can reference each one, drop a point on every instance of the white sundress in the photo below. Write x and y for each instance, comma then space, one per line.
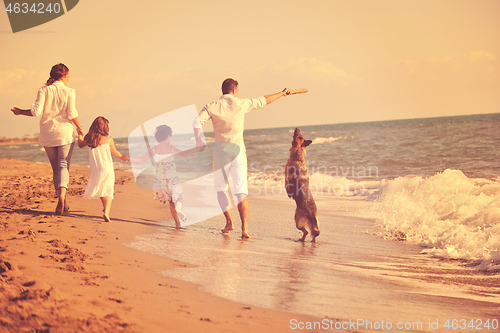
166, 169
102, 174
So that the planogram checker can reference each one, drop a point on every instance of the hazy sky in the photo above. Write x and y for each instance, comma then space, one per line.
364, 60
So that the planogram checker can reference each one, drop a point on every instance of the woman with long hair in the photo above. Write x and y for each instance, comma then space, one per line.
55, 103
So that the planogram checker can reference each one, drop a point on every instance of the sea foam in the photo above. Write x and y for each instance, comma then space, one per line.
319, 183
454, 216
320, 140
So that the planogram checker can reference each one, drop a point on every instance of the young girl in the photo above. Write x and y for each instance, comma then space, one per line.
102, 174
166, 171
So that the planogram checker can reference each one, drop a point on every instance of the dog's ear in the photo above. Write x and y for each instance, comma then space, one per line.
306, 143
295, 141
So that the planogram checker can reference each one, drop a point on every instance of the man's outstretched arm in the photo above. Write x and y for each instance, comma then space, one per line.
273, 97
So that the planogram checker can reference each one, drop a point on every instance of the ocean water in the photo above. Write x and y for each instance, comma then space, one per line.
433, 188
435, 182
391, 148
358, 151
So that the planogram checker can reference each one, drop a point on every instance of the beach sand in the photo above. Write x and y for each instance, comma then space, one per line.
77, 273
72, 273
9, 142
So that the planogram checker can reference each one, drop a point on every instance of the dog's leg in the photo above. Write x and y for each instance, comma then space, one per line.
301, 220
304, 232
314, 238
314, 234
314, 229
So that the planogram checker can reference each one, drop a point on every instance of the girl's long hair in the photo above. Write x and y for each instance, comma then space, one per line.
58, 71
98, 129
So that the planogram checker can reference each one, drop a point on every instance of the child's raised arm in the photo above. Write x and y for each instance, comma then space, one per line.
115, 152
187, 152
143, 158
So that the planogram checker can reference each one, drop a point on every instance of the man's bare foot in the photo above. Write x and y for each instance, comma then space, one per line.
106, 218
229, 226
178, 226
245, 235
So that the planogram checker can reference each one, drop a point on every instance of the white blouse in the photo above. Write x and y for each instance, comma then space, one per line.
56, 105
228, 117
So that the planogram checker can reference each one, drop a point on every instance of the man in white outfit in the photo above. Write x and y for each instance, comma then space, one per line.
228, 116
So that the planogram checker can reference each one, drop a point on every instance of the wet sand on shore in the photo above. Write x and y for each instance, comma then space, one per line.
72, 273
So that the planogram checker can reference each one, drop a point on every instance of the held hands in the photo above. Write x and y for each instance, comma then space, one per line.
200, 145
125, 158
286, 91
81, 142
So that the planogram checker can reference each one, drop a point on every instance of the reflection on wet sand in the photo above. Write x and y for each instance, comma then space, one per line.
349, 273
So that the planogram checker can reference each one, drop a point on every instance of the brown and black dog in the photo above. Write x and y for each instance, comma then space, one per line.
297, 187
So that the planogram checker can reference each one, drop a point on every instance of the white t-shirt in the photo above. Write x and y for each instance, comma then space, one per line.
56, 105
228, 117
